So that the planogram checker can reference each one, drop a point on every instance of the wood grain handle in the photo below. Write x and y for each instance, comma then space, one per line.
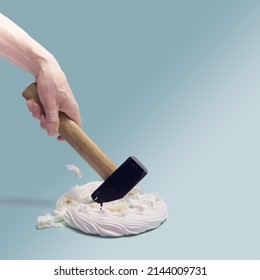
78, 139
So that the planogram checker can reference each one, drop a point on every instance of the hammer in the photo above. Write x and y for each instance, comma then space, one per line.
118, 181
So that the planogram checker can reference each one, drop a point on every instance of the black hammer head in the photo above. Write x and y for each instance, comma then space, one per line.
118, 184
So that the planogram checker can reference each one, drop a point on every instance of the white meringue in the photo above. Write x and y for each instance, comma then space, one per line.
137, 212
75, 169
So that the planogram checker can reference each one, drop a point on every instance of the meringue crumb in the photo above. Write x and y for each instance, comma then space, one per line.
75, 169
47, 221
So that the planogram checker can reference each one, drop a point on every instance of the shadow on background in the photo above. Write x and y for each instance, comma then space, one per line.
25, 201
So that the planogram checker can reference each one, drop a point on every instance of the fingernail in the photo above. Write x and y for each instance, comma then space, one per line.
52, 132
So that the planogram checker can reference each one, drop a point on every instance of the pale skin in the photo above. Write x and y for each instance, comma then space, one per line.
54, 91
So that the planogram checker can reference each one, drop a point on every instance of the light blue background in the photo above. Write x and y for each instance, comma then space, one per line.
175, 83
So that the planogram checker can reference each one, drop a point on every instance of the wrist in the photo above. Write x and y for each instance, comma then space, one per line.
44, 62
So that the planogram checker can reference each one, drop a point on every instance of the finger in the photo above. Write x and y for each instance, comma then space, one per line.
34, 108
29, 104
52, 120
60, 138
43, 121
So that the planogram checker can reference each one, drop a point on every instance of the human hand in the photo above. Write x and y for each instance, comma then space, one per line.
53, 89
56, 96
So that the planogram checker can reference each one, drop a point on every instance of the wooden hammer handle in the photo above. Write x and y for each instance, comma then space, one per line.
78, 139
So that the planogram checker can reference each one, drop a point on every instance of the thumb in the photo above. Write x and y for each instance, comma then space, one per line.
51, 120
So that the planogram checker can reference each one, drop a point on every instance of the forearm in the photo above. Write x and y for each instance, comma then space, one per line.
54, 91
19, 48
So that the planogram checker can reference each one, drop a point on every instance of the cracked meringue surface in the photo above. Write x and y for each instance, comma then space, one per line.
137, 212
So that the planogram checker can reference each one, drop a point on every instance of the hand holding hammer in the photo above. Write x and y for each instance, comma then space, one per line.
117, 181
